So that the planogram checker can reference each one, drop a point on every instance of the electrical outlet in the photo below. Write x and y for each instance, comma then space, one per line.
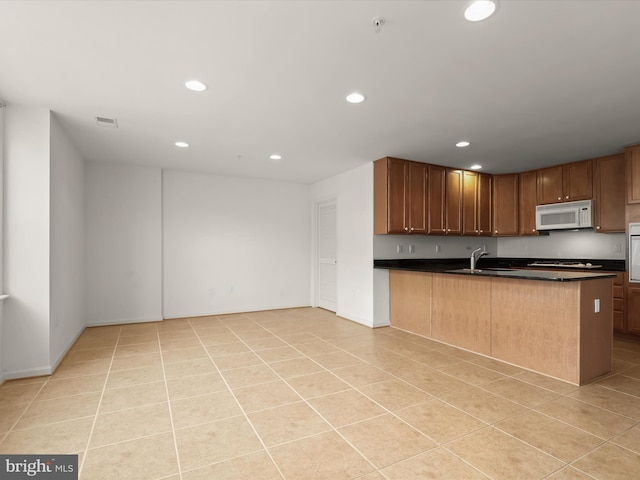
398, 248
617, 248
438, 248
596, 305
412, 248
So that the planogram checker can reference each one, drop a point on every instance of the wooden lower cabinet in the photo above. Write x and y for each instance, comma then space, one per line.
410, 301
633, 310
462, 316
547, 327
618, 302
551, 327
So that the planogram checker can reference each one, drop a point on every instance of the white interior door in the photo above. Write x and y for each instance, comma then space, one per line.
326, 286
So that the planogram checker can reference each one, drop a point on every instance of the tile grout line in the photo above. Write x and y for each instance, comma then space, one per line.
166, 391
527, 409
343, 341
13, 425
95, 417
434, 398
387, 411
244, 413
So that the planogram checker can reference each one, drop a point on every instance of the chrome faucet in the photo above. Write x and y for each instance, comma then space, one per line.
475, 258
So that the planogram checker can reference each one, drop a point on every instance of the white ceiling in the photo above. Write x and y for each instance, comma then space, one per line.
539, 83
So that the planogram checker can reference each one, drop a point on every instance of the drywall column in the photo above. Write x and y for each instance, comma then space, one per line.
25, 339
354, 193
67, 243
123, 244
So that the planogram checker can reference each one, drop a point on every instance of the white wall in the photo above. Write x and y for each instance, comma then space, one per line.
233, 244
384, 246
123, 229
67, 243
1, 234
584, 244
353, 191
26, 236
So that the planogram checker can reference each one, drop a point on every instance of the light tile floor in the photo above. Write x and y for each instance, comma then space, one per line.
303, 394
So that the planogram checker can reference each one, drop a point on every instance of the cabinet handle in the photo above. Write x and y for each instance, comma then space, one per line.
598, 227
567, 197
559, 198
448, 229
412, 229
406, 229
533, 229
496, 231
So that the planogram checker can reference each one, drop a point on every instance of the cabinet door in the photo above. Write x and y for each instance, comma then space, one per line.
410, 301
550, 185
577, 181
632, 155
527, 183
397, 176
436, 200
505, 205
417, 197
609, 202
470, 189
633, 310
618, 303
484, 204
453, 205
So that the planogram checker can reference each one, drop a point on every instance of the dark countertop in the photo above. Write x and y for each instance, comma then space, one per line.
505, 268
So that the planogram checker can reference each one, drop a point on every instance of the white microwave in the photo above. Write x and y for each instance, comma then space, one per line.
564, 216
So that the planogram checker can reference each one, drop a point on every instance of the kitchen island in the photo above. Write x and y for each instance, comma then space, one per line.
552, 322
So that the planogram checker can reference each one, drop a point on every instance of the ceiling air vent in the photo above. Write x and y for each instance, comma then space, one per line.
107, 122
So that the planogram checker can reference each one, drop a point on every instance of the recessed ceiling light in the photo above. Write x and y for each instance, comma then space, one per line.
181, 144
475, 167
195, 85
463, 144
275, 156
479, 10
355, 97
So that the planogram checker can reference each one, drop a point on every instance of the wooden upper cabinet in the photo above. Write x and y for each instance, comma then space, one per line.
417, 198
609, 199
476, 204
578, 180
549, 185
632, 155
444, 201
565, 183
470, 187
436, 200
527, 186
397, 185
453, 206
505, 205
399, 196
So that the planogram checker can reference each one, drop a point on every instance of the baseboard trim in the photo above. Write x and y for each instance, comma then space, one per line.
177, 316
28, 373
123, 322
57, 362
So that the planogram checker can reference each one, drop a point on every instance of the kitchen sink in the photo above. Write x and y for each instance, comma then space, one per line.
480, 270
